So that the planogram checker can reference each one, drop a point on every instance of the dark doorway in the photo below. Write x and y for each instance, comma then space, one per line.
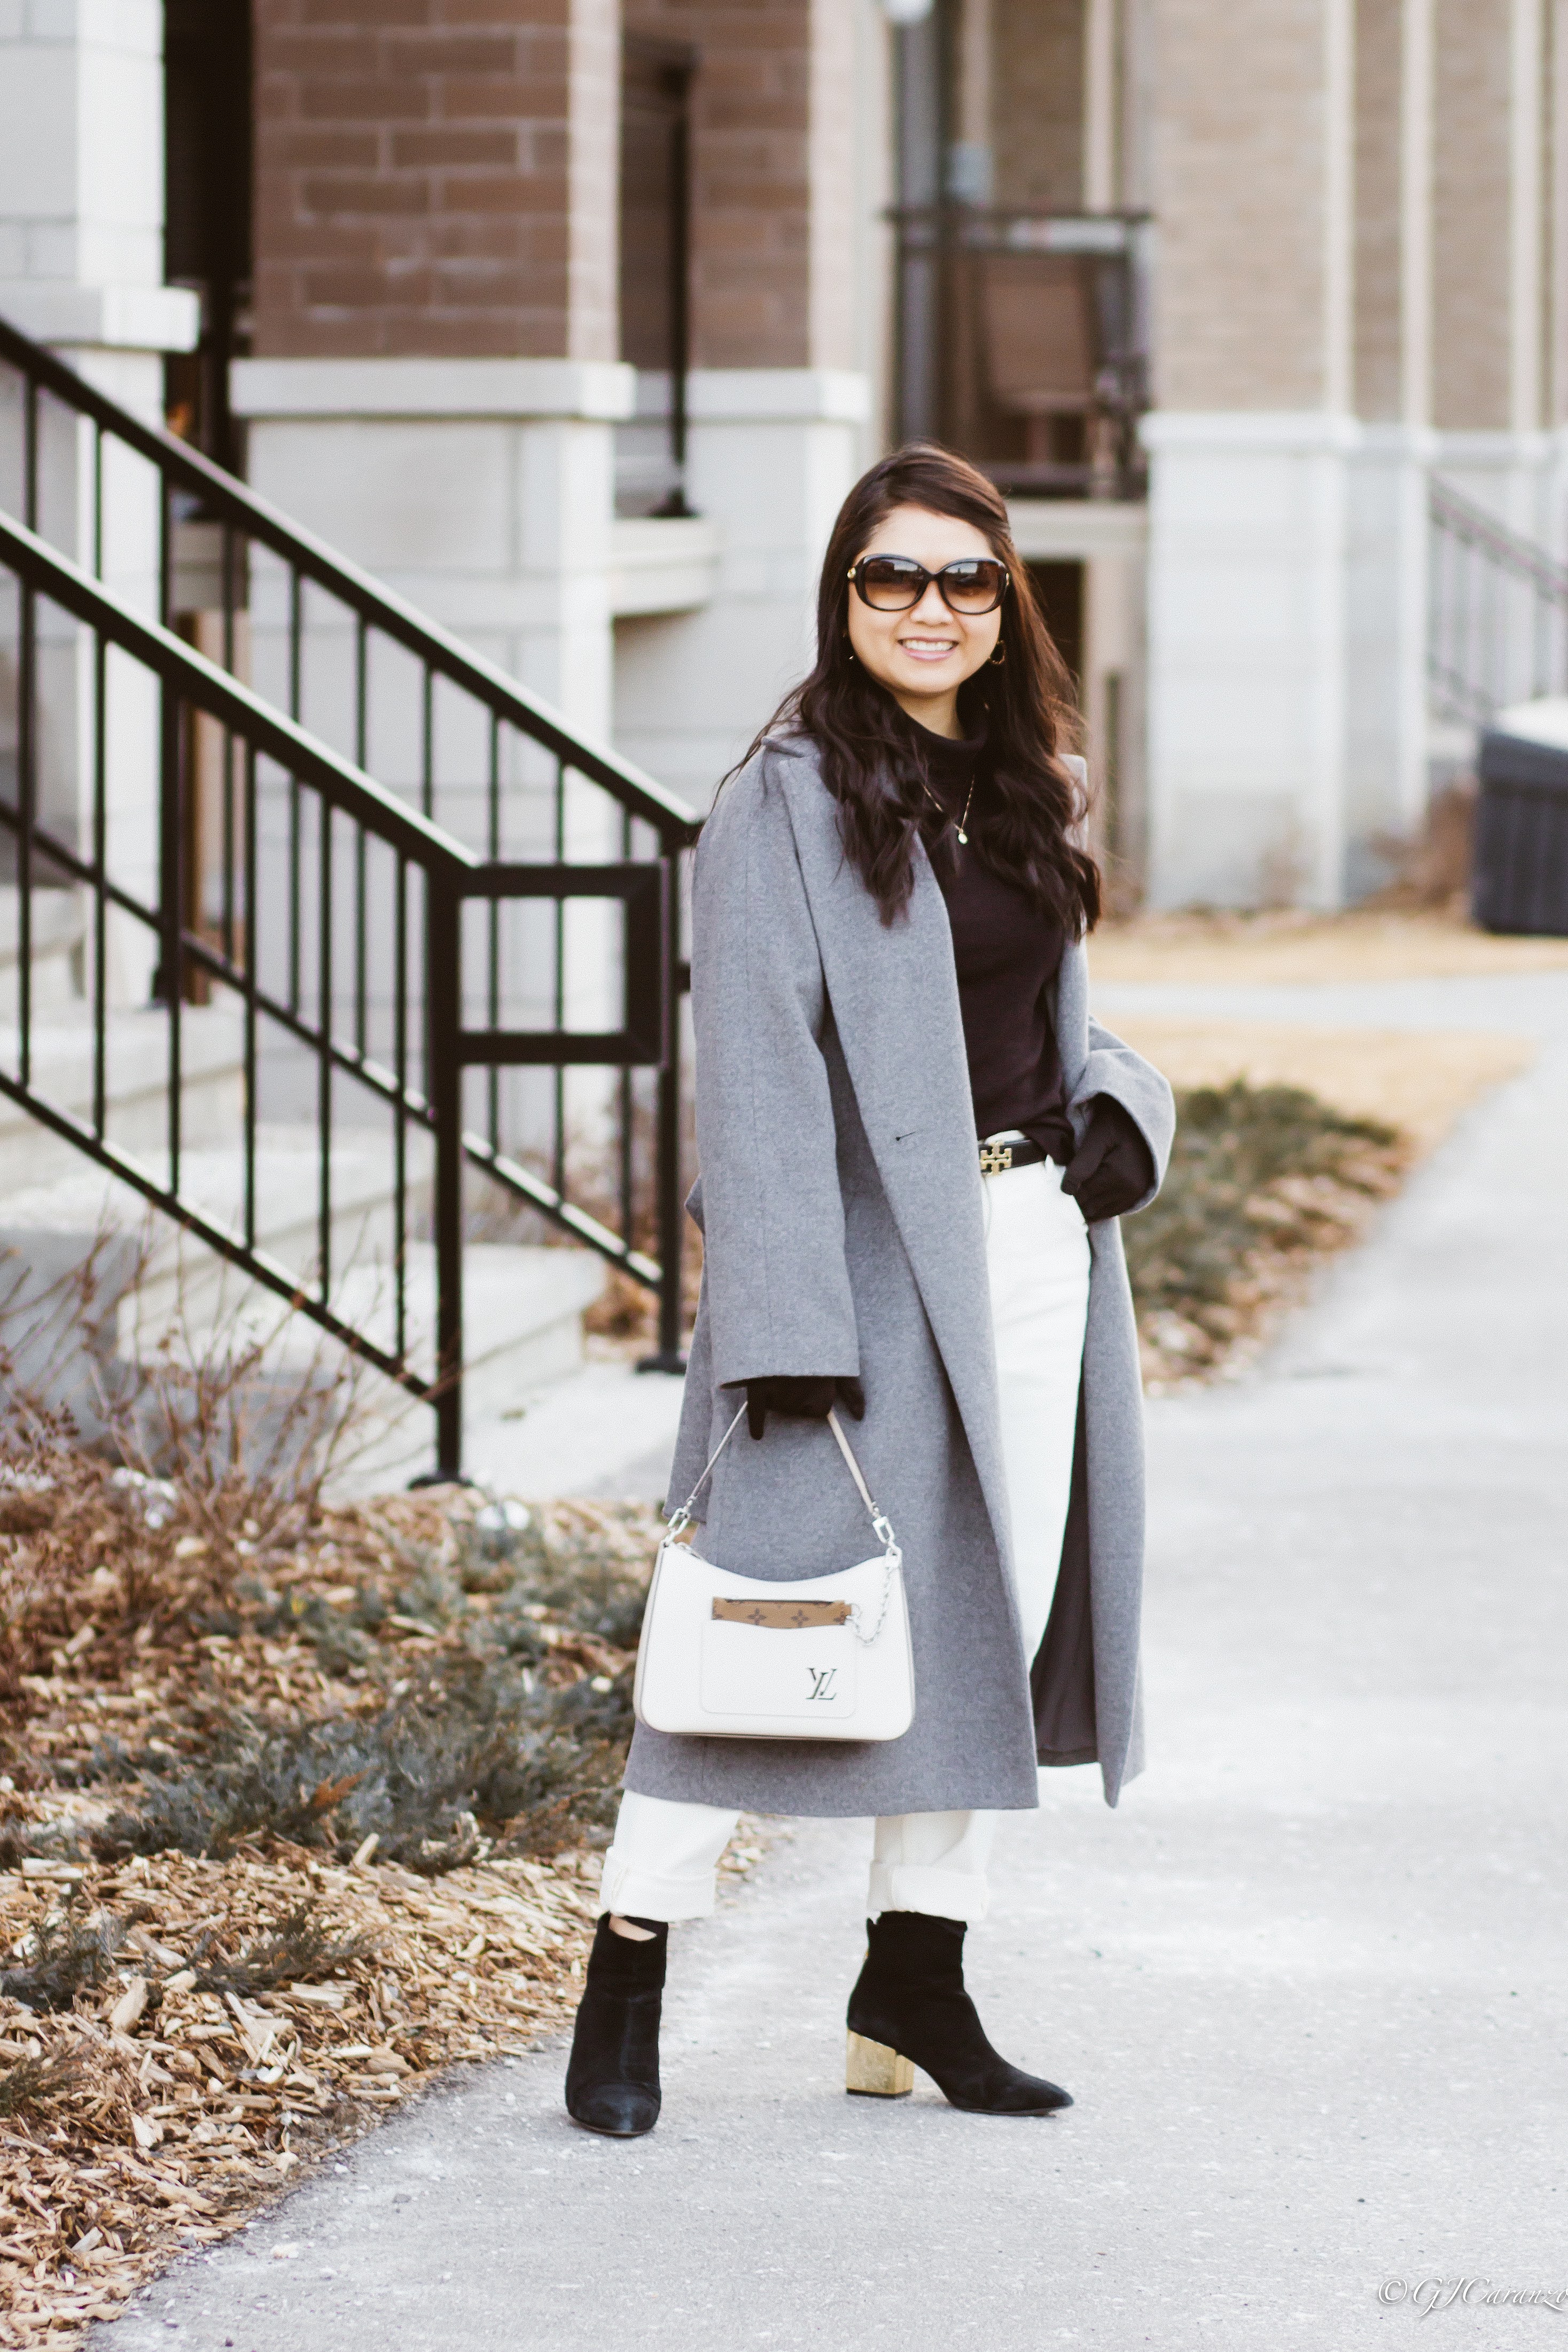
1060, 588
656, 268
207, 209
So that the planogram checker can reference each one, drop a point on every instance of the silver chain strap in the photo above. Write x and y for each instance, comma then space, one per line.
893, 1559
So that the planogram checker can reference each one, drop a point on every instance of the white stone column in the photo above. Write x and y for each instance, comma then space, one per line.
1253, 155
773, 453
1387, 733
81, 241
481, 490
1248, 540
1386, 730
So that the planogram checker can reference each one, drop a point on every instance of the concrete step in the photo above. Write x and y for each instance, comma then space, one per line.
58, 933
522, 1315
522, 1318
606, 1431
176, 1266
136, 1078
96, 1285
523, 1340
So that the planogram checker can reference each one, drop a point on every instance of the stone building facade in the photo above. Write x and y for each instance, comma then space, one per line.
1314, 252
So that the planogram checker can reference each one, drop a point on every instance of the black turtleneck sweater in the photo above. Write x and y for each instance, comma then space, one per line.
1006, 950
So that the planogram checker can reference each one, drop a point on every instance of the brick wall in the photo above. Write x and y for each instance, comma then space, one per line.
1239, 139
1470, 352
770, 102
1379, 390
436, 176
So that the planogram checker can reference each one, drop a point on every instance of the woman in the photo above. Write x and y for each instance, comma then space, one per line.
914, 1143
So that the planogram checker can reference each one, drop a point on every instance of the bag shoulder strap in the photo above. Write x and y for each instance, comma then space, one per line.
879, 1522
684, 1515
836, 1425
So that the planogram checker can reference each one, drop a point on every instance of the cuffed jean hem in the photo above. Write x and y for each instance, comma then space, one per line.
685, 1842
917, 1886
639, 1895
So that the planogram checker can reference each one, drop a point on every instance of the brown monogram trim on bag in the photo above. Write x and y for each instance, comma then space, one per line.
784, 1616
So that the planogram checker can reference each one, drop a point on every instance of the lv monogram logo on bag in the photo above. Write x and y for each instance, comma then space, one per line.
783, 1616
823, 1681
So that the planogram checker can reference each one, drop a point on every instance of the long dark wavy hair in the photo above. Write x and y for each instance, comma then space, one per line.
870, 756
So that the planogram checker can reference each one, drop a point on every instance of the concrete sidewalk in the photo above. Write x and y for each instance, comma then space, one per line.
1307, 1983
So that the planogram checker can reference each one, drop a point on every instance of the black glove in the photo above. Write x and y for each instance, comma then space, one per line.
1113, 1167
800, 1398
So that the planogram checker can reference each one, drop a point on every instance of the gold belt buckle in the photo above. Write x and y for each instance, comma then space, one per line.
996, 1159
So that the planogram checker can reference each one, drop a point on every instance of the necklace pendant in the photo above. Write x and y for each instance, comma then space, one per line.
963, 837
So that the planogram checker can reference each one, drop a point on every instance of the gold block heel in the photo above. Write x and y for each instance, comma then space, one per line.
876, 2071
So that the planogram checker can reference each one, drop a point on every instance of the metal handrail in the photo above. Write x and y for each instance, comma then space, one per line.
1498, 612
366, 597
1508, 549
222, 697
452, 873
521, 1141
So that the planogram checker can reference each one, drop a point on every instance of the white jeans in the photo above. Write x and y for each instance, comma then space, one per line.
663, 1862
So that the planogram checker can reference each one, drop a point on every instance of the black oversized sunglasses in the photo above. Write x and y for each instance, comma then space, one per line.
895, 584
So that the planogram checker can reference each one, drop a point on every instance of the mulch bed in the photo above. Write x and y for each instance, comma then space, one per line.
296, 1811
189, 2069
1265, 1182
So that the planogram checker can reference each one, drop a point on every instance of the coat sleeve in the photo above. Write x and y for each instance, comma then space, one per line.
777, 1285
1144, 1093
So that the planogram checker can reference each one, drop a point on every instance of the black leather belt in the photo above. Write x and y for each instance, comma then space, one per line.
996, 1159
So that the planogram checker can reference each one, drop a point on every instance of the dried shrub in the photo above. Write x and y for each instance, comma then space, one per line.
300, 1949
25, 1513
473, 1750
1263, 1182
445, 1675
1432, 868
249, 1412
66, 1956
39, 2083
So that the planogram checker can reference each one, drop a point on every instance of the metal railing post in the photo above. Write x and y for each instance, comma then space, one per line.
443, 1088
169, 984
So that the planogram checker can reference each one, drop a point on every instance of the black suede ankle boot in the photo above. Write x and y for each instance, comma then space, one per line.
613, 2076
909, 2009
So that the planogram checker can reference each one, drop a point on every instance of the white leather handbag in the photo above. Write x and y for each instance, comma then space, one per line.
750, 1657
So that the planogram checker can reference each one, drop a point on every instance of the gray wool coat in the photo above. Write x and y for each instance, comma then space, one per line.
842, 1209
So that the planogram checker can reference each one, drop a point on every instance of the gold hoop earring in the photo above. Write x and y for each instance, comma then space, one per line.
999, 656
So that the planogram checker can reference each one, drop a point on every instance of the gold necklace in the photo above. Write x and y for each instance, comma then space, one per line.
963, 821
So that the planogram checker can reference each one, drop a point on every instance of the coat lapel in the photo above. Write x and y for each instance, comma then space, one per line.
894, 996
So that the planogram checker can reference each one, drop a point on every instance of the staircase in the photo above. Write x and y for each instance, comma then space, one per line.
83, 1251
265, 1012
1497, 614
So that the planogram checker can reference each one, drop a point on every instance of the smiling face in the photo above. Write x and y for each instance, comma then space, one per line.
924, 655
